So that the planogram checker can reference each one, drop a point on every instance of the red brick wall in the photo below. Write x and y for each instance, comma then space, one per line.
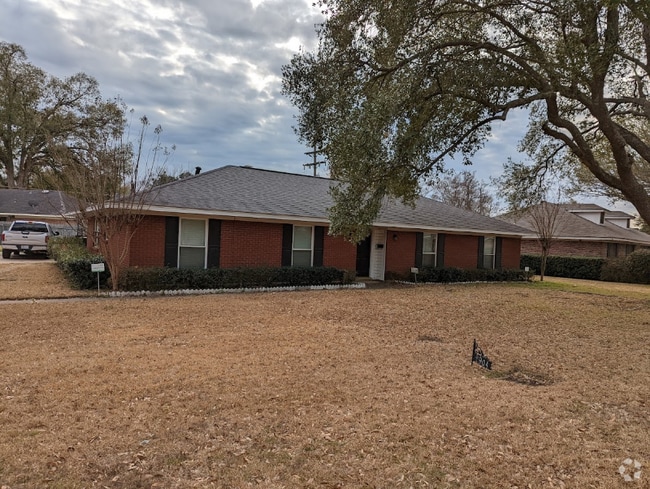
147, 247
461, 251
567, 248
339, 253
253, 244
510, 254
250, 244
148, 243
400, 253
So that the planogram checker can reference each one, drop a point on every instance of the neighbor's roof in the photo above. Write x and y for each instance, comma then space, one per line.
246, 192
579, 208
36, 203
575, 228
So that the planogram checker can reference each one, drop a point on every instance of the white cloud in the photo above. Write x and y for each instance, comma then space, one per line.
208, 72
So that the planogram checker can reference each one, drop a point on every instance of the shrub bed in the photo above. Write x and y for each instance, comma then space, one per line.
156, 279
587, 268
634, 268
74, 259
450, 274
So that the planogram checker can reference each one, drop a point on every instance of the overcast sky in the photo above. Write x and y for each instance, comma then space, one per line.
208, 71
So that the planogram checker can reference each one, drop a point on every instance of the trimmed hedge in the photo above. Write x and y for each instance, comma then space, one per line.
433, 274
74, 259
634, 268
587, 268
156, 279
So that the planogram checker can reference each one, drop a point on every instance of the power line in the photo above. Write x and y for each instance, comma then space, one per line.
314, 164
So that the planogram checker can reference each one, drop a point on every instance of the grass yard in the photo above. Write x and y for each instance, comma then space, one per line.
327, 389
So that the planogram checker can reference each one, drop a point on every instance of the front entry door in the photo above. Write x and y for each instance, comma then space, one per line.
363, 258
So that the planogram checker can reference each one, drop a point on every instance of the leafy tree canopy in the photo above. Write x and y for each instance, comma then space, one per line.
397, 87
40, 113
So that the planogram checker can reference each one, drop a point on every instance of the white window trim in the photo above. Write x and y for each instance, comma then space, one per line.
311, 249
493, 255
435, 247
205, 240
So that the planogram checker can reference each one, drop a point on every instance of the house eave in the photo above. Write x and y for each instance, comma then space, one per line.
593, 239
439, 229
232, 215
285, 218
39, 217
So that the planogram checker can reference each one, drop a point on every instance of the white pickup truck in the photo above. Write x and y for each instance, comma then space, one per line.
26, 237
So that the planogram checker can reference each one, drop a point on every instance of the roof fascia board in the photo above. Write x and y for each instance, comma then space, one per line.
37, 217
234, 215
596, 240
463, 231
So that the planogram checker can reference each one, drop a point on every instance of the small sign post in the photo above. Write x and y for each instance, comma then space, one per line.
99, 268
415, 271
480, 358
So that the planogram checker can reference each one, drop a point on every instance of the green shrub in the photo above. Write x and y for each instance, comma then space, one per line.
637, 265
155, 279
60, 247
74, 259
451, 274
613, 270
587, 268
634, 268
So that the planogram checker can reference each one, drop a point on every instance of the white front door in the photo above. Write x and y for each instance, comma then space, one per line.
378, 254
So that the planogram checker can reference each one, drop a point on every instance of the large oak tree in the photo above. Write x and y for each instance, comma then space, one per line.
40, 112
397, 87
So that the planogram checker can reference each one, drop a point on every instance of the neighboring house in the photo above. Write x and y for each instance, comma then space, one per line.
52, 206
585, 230
245, 217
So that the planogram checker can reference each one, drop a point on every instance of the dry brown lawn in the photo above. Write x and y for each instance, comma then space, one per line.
329, 389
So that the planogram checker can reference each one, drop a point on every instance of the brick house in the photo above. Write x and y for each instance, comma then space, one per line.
586, 230
245, 217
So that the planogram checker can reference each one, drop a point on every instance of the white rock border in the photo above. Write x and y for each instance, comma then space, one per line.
244, 290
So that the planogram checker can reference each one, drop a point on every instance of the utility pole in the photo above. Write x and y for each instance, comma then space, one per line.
315, 164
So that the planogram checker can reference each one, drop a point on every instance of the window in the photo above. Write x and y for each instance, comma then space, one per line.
489, 251
301, 252
30, 227
429, 243
612, 250
192, 244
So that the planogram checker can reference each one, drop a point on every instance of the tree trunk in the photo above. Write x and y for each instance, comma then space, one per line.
542, 265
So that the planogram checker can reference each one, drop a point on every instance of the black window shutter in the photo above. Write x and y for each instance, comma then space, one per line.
171, 241
498, 252
214, 243
481, 251
440, 251
319, 244
419, 239
287, 244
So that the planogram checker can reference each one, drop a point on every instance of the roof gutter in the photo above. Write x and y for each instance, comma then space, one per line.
245, 216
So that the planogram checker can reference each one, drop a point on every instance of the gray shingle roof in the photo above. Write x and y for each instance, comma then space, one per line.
257, 193
573, 227
46, 203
